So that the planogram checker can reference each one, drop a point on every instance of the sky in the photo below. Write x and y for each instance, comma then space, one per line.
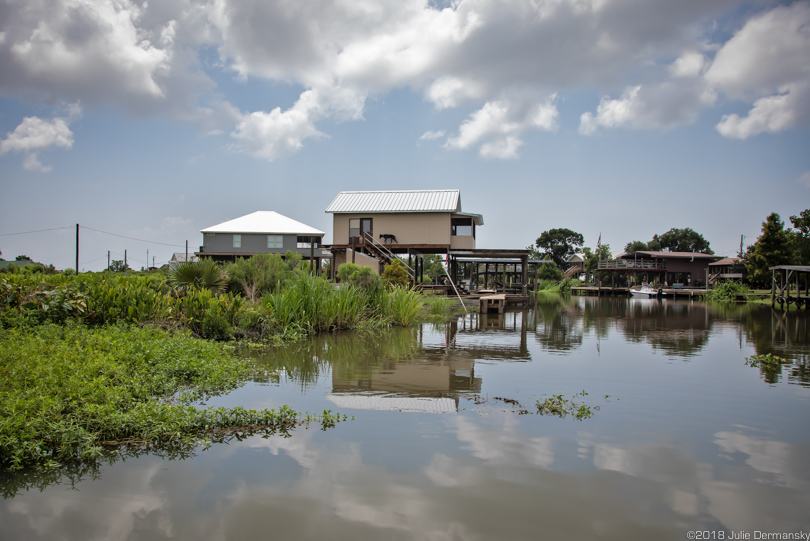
145, 122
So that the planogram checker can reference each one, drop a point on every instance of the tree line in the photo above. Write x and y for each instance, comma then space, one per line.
777, 244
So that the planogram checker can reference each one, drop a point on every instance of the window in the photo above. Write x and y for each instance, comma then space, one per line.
305, 242
237, 241
461, 227
354, 228
358, 227
275, 241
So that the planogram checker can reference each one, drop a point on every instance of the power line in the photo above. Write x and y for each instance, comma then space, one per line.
37, 231
132, 238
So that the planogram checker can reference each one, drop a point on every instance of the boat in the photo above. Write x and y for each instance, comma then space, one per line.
647, 292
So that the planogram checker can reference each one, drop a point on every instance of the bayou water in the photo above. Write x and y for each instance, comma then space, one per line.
684, 439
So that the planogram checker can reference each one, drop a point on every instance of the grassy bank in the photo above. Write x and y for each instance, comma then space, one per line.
71, 393
305, 304
96, 364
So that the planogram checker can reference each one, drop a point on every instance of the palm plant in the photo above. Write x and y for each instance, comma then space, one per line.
202, 274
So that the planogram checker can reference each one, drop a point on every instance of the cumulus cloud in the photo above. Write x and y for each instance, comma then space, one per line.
498, 125
35, 134
500, 61
270, 135
766, 59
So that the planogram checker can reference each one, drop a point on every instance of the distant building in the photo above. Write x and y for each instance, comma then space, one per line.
689, 269
728, 269
262, 232
180, 257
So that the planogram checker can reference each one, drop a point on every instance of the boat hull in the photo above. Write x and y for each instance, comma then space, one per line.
647, 293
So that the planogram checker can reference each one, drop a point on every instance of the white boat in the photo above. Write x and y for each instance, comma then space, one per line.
647, 292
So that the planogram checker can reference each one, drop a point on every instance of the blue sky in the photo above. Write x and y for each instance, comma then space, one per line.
620, 117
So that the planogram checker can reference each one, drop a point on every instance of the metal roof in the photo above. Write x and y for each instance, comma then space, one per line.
264, 221
397, 201
668, 255
394, 403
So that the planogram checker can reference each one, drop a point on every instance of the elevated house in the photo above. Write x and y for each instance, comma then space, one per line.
262, 232
677, 269
728, 269
379, 224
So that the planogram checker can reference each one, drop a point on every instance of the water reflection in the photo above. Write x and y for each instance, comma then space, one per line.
698, 445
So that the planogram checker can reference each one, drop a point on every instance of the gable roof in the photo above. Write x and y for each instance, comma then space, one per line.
264, 222
397, 201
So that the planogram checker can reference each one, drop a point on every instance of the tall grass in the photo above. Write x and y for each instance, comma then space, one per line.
305, 304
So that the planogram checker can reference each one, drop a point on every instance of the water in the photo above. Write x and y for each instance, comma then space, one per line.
684, 437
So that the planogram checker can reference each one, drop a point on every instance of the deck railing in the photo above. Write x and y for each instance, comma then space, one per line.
619, 264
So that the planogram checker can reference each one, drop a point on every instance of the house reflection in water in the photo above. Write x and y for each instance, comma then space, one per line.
444, 370
429, 384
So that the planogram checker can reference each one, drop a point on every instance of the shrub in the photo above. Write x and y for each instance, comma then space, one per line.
259, 275
726, 291
357, 275
202, 274
395, 274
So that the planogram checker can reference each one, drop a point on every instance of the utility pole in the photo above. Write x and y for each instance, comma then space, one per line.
186, 251
125, 263
77, 248
147, 259
108, 260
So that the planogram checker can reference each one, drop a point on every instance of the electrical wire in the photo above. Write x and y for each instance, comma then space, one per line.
131, 238
37, 231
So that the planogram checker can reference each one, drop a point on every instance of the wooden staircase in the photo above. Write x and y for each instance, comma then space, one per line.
378, 250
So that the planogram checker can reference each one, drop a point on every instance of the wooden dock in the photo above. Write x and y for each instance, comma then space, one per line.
498, 302
670, 293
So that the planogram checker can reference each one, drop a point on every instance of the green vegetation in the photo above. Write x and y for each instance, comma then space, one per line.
559, 244
561, 407
674, 240
726, 291
287, 302
768, 361
71, 393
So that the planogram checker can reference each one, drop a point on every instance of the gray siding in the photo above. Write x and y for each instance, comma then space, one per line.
251, 244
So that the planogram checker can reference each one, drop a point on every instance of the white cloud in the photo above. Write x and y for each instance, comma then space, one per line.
612, 113
767, 60
270, 135
663, 105
83, 50
689, 64
769, 114
155, 58
35, 134
498, 126
431, 135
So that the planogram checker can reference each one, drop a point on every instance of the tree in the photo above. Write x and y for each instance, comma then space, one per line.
684, 240
591, 258
117, 265
433, 264
635, 246
22, 258
559, 244
801, 238
395, 274
549, 271
772, 248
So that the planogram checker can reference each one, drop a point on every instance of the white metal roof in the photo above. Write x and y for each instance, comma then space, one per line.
397, 201
394, 403
264, 221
